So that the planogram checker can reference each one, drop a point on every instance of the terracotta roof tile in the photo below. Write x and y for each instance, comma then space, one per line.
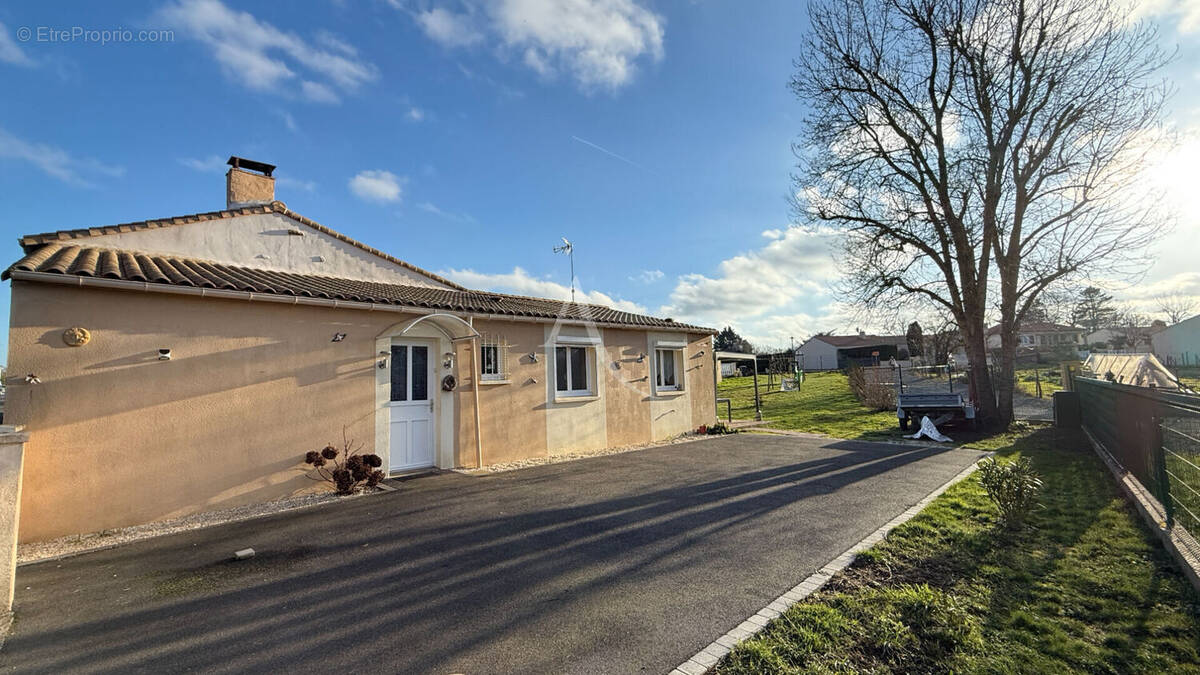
69, 259
31, 241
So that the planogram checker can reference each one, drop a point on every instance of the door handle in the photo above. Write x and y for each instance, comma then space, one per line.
430, 405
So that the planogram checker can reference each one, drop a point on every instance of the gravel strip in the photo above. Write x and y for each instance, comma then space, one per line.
83, 543
572, 456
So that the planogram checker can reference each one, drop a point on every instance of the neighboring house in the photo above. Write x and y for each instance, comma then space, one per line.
1134, 338
187, 364
1179, 345
835, 352
1040, 336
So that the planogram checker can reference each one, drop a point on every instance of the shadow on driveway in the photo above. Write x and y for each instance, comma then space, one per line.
624, 563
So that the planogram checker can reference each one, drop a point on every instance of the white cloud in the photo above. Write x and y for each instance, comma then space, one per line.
448, 28
769, 294
596, 42
210, 164
648, 276
318, 93
377, 186
262, 57
336, 43
10, 51
289, 121
429, 207
519, 282
415, 114
295, 184
56, 162
1185, 12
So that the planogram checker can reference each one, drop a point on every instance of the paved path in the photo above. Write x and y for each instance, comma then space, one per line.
619, 564
1032, 408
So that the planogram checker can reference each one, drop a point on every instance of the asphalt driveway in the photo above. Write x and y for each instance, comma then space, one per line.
620, 564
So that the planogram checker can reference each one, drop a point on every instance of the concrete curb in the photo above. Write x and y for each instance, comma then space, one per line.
1175, 540
704, 660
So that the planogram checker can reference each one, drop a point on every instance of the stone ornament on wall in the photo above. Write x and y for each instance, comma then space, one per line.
76, 336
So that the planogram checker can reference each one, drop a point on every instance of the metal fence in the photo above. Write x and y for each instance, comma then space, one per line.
1153, 434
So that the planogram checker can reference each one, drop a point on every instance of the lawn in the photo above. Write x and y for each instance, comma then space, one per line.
823, 404
1084, 587
1189, 375
1051, 379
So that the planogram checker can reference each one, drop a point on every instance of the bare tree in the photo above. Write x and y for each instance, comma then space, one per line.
975, 152
1176, 307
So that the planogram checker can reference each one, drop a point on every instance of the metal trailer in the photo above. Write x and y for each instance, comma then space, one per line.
940, 408
915, 400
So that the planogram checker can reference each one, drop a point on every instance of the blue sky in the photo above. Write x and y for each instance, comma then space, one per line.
466, 137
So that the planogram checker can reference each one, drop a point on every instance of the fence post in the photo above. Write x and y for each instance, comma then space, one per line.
1160, 469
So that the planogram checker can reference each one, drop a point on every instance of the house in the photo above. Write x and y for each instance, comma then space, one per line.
835, 352
187, 364
1040, 336
1179, 345
1137, 338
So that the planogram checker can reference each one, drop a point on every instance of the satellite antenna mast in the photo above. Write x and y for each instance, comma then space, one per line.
568, 248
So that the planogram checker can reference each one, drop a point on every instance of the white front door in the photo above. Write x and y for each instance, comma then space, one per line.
411, 406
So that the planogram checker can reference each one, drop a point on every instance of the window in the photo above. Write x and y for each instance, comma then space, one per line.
410, 373
493, 352
666, 369
571, 372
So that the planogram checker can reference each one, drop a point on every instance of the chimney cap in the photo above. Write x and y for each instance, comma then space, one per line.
243, 163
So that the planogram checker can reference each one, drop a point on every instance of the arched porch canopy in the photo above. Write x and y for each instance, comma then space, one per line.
451, 326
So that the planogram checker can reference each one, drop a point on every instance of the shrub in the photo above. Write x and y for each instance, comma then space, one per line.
346, 469
871, 393
1012, 487
719, 429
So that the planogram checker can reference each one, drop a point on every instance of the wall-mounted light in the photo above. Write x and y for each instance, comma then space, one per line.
641, 357
383, 357
533, 357
32, 379
338, 337
164, 354
448, 360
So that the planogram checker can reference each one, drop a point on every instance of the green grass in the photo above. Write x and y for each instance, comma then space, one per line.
824, 404
1027, 380
1082, 588
1189, 375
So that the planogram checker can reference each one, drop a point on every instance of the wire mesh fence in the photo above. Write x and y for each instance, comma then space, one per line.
1155, 436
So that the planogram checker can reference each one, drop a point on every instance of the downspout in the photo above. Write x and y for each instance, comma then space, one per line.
475, 393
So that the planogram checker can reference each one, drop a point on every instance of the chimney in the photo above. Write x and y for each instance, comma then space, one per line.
248, 183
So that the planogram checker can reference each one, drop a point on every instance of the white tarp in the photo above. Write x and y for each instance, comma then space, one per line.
929, 431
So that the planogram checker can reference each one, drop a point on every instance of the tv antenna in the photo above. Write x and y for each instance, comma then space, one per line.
568, 248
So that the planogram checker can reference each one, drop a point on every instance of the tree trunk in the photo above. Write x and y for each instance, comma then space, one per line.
1006, 375
975, 344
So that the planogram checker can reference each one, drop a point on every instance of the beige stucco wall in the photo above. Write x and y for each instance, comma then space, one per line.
119, 437
513, 412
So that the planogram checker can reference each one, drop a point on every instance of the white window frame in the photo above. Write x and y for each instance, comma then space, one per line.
589, 360
497, 343
678, 350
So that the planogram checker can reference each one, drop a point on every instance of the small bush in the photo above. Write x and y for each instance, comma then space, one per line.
1012, 486
345, 469
718, 429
